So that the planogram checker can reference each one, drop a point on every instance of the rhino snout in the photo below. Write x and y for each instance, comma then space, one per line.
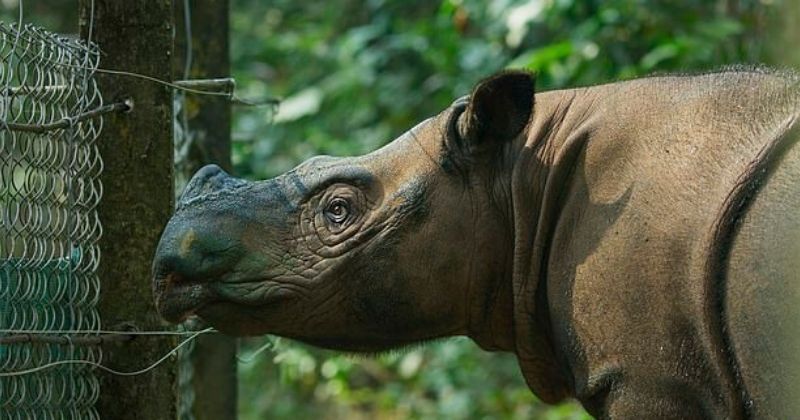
190, 258
198, 246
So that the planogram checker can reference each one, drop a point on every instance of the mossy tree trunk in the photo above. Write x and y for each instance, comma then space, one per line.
137, 149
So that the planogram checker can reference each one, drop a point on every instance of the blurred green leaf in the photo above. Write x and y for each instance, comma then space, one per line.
542, 58
658, 54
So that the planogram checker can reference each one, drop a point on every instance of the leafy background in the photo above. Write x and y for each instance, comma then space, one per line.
354, 74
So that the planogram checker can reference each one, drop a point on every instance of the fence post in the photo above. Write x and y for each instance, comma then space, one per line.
135, 36
213, 358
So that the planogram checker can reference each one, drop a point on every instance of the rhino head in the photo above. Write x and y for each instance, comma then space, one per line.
407, 243
411, 242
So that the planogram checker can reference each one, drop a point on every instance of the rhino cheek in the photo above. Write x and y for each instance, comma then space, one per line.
397, 284
234, 318
231, 319
382, 298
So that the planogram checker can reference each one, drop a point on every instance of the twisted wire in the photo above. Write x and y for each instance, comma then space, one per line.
80, 362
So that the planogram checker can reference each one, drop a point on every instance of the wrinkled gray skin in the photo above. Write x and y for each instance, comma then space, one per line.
636, 245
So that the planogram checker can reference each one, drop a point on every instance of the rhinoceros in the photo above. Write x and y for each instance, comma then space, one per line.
636, 245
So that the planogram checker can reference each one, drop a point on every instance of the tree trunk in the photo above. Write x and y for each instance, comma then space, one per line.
208, 120
137, 151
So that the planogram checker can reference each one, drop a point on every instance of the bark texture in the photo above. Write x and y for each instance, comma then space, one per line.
135, 36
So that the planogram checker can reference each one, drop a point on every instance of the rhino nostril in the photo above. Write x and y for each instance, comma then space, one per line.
194, 256
172, 280
171, 271
164, 266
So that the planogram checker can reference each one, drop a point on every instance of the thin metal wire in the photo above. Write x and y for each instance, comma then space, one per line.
64, 340
183, 86
68, 122
100, 332
176, 86
271, 344
211, 89
106, 368
82, 337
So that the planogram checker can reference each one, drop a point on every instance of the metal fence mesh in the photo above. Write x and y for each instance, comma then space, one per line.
49, 227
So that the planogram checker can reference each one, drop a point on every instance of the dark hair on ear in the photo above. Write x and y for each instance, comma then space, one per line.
499, 107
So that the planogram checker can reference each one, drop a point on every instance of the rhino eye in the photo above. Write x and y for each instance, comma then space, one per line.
337, 211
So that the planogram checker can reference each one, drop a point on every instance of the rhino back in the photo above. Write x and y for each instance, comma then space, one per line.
628, 271
760, 299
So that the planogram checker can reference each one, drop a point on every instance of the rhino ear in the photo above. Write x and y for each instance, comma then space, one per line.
498, 109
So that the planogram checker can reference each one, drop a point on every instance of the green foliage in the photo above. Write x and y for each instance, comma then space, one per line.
354, 74
448, 379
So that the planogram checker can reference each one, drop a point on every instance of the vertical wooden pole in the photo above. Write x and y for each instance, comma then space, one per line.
209, 116
134, 36
209, 122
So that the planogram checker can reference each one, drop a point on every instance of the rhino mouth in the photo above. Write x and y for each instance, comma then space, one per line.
178, 299
238, 308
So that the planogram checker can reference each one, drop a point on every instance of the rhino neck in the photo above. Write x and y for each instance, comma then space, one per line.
546, 155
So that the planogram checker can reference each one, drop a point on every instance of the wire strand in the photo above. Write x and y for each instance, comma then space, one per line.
104, 332
269, 345
163, 82
106, 368
67, 122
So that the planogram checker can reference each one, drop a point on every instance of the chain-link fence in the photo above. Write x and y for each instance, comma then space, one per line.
49, 227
